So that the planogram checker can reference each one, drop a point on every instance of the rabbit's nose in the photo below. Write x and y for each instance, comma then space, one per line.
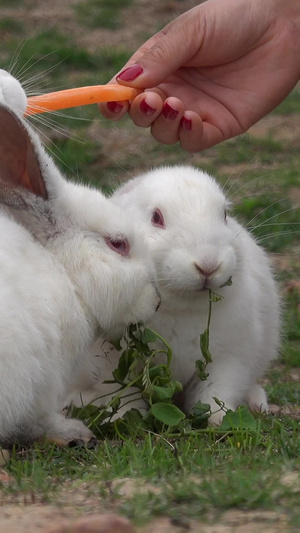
207, 269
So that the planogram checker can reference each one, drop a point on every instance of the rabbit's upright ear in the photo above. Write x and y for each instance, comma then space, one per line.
19, 165
22, 186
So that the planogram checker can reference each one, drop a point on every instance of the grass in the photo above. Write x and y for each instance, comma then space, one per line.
100, 13
10, 25
51, 47
191, 473
87, 154
184, 474
245, 149
10, 3
283, 393
187, 477
265, 220
290, 105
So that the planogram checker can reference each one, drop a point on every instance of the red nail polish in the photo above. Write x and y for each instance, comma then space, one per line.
169, 112
130, 73
186, 124
114, 107
146, 108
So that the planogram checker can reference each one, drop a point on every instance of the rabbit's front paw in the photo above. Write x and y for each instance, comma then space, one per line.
69, 430
218, 413
216, 418
257, 399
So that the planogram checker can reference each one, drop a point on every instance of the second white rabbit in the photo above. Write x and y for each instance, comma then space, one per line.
197, 246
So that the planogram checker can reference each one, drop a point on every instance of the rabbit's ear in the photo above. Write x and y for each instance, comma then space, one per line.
19, 165
22, 186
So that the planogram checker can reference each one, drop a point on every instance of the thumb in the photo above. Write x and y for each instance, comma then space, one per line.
162, 55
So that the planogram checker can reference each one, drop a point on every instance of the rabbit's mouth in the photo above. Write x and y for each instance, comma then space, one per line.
193, 287
210, 285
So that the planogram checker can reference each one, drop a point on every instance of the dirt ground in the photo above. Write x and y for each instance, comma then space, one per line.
36, 517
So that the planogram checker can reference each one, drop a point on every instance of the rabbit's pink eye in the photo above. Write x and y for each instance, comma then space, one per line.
121, 246
158, 219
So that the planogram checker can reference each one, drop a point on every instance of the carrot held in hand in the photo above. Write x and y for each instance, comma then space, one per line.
78, 97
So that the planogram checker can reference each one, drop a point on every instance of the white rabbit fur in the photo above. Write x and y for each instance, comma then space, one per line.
244, 330
63, 283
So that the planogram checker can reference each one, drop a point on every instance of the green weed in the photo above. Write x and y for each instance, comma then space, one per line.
141, 374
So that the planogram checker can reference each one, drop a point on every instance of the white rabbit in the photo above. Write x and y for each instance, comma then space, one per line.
196, 246
72, 267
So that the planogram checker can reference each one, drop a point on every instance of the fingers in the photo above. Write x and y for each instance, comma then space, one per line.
191, 132
114, 110
146, 108
165, 129
196, 135
169, 121
174, 124
143, 110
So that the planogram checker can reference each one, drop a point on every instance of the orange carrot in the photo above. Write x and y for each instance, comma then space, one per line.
79, 96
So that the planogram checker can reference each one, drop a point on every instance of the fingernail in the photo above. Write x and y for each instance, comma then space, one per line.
146, 108
131, 73
169, 112
114, 107
186, 124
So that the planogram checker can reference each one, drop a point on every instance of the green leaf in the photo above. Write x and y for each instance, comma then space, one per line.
200, 370
134, 364
200, 409
133, 418
167, 413
146, 381
204, 346
124, 365
117, 344
147, 335
218, 402
164, 393
177, 386
239, 419
157, 371
200, 415
115, 403
216, 297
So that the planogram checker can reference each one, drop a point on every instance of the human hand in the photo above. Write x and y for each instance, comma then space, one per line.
213, 72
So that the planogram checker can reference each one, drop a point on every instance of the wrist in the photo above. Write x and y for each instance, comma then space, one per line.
289, 10
286, 25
